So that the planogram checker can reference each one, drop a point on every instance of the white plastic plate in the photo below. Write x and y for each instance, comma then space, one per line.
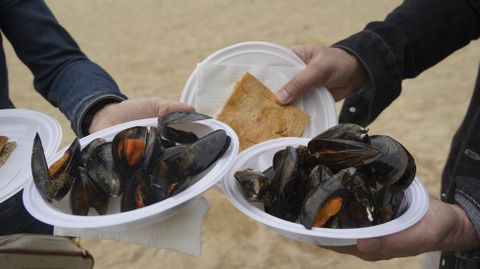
260, 157
58, 213
20, 125
319, 104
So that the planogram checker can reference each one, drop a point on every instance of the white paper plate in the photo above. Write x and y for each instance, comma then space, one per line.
319, 104
260, 157
58, 212
20, 125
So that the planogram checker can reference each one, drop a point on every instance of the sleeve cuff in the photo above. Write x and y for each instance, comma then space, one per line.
470, 207
384, 82
90, 106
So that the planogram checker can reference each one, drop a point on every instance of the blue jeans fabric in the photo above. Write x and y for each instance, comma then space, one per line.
62, 74
14, 218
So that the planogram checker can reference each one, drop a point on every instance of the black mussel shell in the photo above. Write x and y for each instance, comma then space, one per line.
55, 181
395, 166
100, 168
253, 184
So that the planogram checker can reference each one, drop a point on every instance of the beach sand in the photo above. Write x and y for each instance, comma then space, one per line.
150, 47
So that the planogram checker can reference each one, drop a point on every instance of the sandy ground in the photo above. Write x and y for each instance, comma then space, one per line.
150, 47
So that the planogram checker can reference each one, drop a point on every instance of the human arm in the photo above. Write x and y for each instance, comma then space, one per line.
415, 36
445, 227
62, 73
391, 51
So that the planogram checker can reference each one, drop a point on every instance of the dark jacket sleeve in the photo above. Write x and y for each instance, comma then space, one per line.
415, 36
62, 73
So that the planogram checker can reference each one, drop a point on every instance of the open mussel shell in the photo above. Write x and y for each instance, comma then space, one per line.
200, 155
55, 181
40, 169
133, 148
347, 131
177, 135
316, 198
340, 153
100, 169
254, 184
181, 117
195, 158
395, 166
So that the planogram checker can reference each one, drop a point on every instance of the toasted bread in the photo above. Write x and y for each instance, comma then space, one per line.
253, 112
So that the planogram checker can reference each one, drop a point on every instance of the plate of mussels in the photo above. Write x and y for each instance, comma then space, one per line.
330, 190
130, 175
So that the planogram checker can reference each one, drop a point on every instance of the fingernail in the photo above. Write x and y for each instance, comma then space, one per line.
369, 244
283, 96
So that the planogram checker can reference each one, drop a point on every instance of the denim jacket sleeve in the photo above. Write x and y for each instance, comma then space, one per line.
62, 73
415, 36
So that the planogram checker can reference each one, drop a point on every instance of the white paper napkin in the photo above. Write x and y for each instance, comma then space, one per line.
181, 232
215, 82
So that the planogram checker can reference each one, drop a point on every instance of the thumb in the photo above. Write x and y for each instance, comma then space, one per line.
368, 245
300, 83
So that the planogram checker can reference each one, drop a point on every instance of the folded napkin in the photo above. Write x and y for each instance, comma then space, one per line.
181, 232
215, 82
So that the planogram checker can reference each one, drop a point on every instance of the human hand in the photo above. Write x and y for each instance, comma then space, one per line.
128, 110
445, 227
337, 70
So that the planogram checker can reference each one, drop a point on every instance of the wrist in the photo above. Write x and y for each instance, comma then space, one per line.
463, 236
359, 73
99, 115
91, 114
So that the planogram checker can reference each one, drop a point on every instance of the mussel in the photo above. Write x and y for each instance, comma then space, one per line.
142, 165
177, 135
343, 178
288, 187
55, 181
174, 172
395, 166
253, 183
328, 188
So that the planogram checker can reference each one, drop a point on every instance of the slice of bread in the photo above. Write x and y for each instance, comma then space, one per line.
253, 112
6, 147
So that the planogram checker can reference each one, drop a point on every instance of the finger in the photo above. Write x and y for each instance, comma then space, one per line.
304, 52
162, 107
344, 249
306, 79
171, 106
386, 247
368, 245
354, 251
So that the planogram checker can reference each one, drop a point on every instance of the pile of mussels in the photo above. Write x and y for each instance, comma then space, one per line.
143, 165
343, 178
